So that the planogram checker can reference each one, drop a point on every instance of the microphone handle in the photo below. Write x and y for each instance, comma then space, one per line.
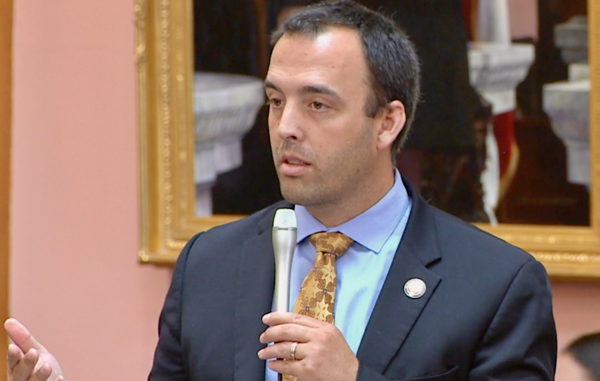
284, 244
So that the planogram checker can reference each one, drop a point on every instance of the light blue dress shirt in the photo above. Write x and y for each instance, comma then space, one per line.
362, 270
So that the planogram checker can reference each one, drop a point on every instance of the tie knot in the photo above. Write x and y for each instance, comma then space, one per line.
332, 243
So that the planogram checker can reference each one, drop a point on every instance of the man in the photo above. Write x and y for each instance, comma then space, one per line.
581, 359
442, 158
419, 294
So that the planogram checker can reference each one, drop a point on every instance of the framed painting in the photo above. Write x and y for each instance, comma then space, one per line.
165, 67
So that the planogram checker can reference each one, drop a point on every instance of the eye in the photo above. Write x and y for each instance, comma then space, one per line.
318, 105
274, 102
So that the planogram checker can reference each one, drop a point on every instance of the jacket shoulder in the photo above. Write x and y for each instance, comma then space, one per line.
462, 241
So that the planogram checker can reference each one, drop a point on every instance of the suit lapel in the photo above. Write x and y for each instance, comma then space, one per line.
395, 313
254, 297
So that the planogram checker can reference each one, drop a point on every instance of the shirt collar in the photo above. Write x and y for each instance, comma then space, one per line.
371, 228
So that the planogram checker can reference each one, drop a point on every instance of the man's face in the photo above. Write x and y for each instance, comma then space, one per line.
324, 145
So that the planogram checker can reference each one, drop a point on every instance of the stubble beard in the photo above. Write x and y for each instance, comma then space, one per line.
324, 186
299, 190
341, 180
302, 192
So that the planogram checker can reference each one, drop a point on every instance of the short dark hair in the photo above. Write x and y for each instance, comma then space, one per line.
586, 350
391, 57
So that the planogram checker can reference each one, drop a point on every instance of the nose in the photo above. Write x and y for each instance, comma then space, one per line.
287, 122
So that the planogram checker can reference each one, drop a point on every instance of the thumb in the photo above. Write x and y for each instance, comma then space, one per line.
21, 336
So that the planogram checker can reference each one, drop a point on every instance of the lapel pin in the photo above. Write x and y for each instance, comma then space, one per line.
415, 288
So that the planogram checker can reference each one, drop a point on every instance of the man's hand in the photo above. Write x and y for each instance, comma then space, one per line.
27, 359
321, 353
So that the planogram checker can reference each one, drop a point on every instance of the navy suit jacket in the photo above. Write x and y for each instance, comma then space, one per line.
486, 314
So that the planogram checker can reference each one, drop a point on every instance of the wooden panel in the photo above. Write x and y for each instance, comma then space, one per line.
6, 7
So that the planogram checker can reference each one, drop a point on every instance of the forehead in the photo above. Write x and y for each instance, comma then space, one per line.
334, 57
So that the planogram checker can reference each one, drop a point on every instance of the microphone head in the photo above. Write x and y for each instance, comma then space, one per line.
285, 219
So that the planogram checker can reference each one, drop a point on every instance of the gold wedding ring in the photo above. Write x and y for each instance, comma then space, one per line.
293, 350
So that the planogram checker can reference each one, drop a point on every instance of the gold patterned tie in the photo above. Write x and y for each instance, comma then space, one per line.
317, 292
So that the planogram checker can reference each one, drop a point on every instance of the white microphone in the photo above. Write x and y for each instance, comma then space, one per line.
284, 244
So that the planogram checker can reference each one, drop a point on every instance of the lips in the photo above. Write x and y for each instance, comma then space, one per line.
292, 159
294, 162
291, 165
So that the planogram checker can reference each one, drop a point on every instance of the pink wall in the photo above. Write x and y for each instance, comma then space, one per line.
523, 18
75, 280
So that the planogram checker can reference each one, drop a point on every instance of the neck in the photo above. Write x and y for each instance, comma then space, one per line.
337, 212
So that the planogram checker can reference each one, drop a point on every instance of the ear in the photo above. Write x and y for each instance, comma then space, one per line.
393, 119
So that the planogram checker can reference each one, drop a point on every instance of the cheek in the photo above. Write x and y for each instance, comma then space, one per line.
275, 143
272, 128
271, 122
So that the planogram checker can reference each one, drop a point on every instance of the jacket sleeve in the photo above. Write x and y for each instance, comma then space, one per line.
168, 362
520, 343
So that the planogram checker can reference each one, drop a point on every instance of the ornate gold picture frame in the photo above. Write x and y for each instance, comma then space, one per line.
165, 69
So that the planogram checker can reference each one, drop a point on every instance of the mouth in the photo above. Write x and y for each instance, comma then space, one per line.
291, 165
292, 159
294, 162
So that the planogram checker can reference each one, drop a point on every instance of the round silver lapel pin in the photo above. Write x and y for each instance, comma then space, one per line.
415, 288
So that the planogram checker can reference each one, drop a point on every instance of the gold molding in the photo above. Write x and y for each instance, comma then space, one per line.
165, 77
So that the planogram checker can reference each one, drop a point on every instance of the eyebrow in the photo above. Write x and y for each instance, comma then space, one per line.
309, 89
270, 85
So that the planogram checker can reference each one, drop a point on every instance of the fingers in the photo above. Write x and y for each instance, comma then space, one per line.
286, 332
282, 350
21, 335
27, 359
276, 318
285, 326
286, 367
42, 374
14, 356
24, 368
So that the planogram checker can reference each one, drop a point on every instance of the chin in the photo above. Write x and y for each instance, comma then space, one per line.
303, 196
294, 195
291, 197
